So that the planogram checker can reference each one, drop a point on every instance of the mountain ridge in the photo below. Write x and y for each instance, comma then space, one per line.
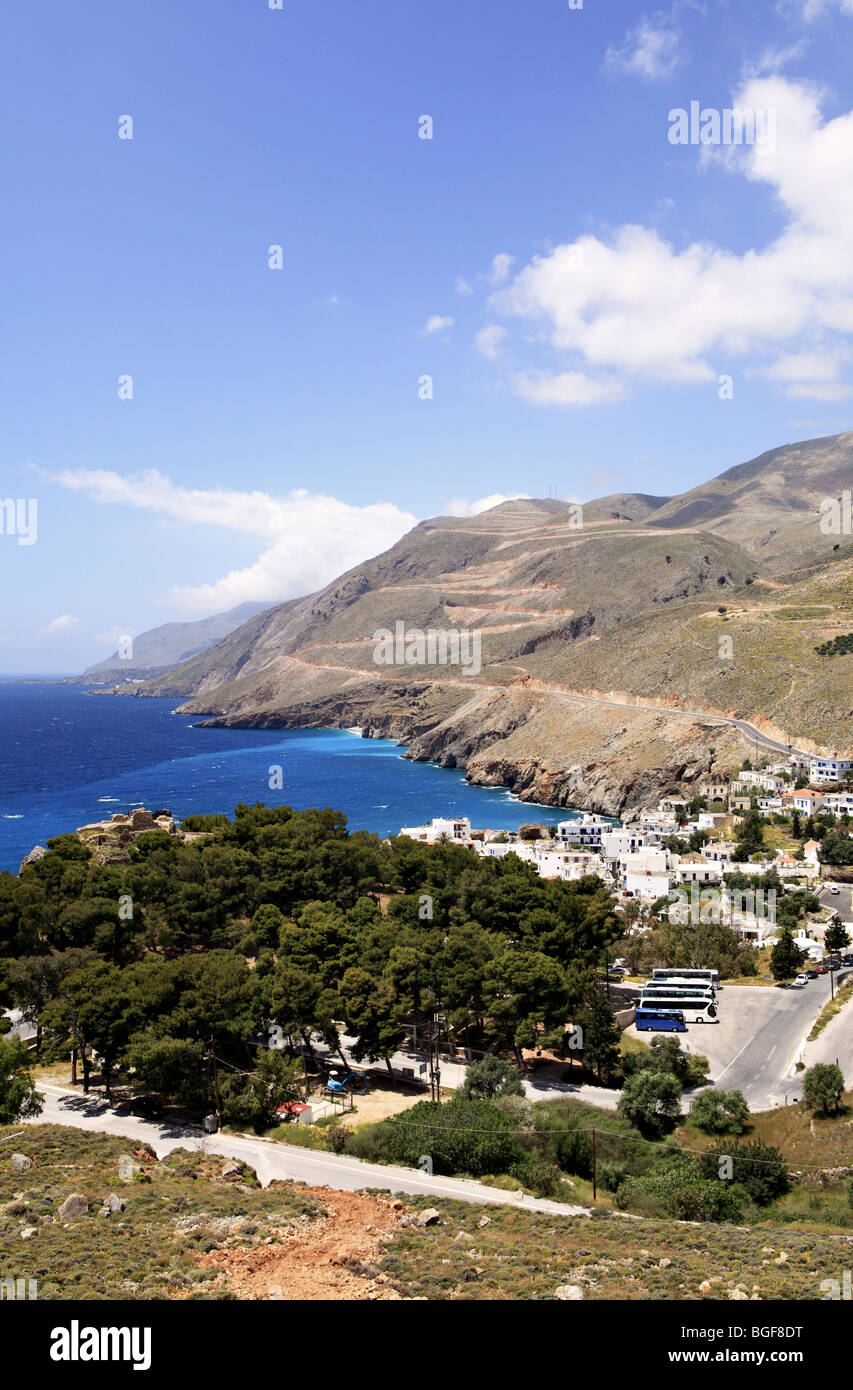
639, 604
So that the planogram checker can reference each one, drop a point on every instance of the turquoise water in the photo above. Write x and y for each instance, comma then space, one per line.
68, 758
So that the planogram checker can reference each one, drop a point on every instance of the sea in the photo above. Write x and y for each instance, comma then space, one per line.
69, 757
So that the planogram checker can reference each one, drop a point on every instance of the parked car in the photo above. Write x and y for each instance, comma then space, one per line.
801, 980
847, 960
833, 888
821, 969
149, 1107
812, 974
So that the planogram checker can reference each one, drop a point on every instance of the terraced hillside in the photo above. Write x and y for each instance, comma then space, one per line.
622, 642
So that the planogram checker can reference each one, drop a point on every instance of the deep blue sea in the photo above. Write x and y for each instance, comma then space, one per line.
68, 758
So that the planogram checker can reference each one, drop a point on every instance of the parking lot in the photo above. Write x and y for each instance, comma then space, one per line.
757, 1038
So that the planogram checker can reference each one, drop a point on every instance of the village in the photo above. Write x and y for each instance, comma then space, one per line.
686, 850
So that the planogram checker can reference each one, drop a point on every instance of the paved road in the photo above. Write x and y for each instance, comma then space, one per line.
453, 1075
19, 1029
275, 1160
835, 1044
840, 902
533, 686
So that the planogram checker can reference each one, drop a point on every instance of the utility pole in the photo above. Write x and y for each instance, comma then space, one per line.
431, 1066
594, 1171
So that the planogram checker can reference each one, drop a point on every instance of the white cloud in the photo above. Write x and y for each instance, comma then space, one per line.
460, 507
489, 339
463, 286
644, 310
566, 388
310, 539
813, 9
64, 623
815, 391
650, 50
112, 635
437, 324
773, 60
501, 266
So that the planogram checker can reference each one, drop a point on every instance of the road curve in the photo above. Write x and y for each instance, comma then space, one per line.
277, 1160
748, 730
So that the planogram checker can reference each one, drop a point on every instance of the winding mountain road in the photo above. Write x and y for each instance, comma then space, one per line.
531, 686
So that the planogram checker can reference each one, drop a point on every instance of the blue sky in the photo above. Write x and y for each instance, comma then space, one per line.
573, 283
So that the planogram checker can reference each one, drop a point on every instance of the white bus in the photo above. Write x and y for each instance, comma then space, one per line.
696, 1008
677, 973
682, 982
676, 990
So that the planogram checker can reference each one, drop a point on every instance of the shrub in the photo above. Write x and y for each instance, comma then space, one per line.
650, 1100
464, 1136
758, 1168
491, 1077
720, 1112
681, 1192
823, 1087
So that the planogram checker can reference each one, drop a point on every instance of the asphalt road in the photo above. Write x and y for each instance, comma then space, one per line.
276, 1160
840, 902
835, 1043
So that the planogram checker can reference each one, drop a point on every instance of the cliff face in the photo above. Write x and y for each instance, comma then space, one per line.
605, 645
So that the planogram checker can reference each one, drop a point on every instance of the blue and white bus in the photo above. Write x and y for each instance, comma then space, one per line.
696, 1008
658, 1021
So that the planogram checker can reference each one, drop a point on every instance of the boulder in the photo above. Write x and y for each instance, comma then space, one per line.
74, 1207
569, 1293
484, 1221
429, 1216
232, 1171
463, 1239
36, 853
114, 1203
21, 1163
28, 1232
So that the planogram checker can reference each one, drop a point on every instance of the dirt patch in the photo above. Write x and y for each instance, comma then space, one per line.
333, 1258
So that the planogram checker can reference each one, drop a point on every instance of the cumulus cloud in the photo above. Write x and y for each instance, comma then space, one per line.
64, 623
460, 507
813, 9
437, 324
645, 311
650, 50
309, 538
501, 266
463, 286
489, 339
565, 388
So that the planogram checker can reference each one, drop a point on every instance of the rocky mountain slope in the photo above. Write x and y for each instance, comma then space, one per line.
157, 650
667, 614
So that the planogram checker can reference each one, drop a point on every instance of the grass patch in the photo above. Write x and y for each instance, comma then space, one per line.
828, 1012
806, 1141
522, 1255
180, 1209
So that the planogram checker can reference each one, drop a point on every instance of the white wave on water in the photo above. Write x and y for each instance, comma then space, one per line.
13, 818
108, 798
